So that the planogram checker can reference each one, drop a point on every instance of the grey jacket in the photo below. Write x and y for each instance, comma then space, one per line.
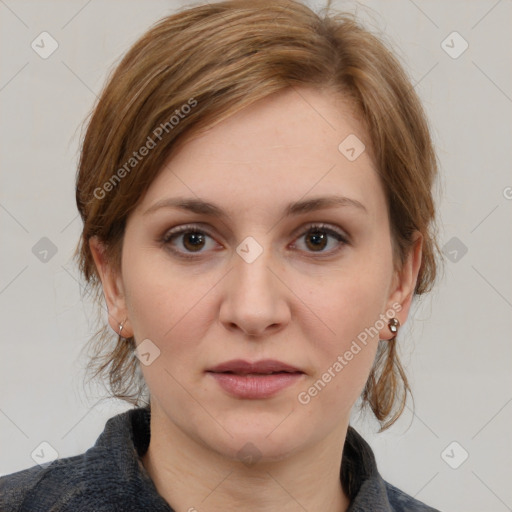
110, 477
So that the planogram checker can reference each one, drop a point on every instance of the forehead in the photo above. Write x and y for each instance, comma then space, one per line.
286, 146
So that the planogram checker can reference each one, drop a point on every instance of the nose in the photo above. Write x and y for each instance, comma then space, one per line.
255, 297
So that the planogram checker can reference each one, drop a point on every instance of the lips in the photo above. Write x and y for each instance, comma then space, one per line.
264, 367
259, 380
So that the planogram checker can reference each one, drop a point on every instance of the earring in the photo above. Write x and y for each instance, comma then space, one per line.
121, 325
393, 325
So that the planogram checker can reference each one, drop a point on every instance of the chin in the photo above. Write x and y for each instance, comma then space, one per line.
251, 450
259, 438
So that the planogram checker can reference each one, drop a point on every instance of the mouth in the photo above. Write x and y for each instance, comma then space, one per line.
258, 380
264, 367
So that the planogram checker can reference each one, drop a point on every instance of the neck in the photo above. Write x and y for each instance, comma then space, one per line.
309, 480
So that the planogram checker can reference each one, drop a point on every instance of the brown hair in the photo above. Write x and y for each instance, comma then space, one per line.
195, 68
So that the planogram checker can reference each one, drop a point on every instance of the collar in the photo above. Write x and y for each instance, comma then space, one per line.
126, 438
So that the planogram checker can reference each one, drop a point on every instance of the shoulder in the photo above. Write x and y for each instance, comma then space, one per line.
109, 476
366, 487
402, 502
377, 495
53, 486
16, 486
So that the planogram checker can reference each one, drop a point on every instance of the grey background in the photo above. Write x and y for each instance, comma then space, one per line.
458, 346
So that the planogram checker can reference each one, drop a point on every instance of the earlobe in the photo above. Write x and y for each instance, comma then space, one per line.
112, 288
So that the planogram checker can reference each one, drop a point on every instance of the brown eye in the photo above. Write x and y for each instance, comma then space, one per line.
185, 241
316, 240
318, 237
193, 240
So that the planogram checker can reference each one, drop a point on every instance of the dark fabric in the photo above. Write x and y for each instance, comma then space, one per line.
110, 477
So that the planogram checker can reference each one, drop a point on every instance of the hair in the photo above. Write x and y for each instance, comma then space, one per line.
200, 65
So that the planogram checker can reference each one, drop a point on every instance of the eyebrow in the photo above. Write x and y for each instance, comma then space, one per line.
297, 208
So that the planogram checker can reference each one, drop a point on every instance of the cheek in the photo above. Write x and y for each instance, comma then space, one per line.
165, 302
351, 308
356, 296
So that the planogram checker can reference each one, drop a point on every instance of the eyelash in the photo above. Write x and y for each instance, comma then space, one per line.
191, 228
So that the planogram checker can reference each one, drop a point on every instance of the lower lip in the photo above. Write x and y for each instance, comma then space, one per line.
255, 386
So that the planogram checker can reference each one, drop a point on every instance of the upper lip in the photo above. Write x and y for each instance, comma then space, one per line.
264, 366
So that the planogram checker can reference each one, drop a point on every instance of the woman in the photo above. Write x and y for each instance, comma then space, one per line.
255, 186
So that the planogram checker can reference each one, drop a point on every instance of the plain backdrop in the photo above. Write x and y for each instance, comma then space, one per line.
457, 348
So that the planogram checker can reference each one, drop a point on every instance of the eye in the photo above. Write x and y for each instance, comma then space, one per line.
317, 238
193, 240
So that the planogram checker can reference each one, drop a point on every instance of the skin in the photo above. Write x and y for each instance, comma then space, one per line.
299, 303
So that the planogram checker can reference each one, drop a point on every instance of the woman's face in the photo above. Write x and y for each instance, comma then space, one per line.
250, 280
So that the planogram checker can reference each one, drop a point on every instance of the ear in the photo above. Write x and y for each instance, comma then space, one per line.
112, 289
404, 283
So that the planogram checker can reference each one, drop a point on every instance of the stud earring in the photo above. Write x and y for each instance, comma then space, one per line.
393, 325
121, 325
